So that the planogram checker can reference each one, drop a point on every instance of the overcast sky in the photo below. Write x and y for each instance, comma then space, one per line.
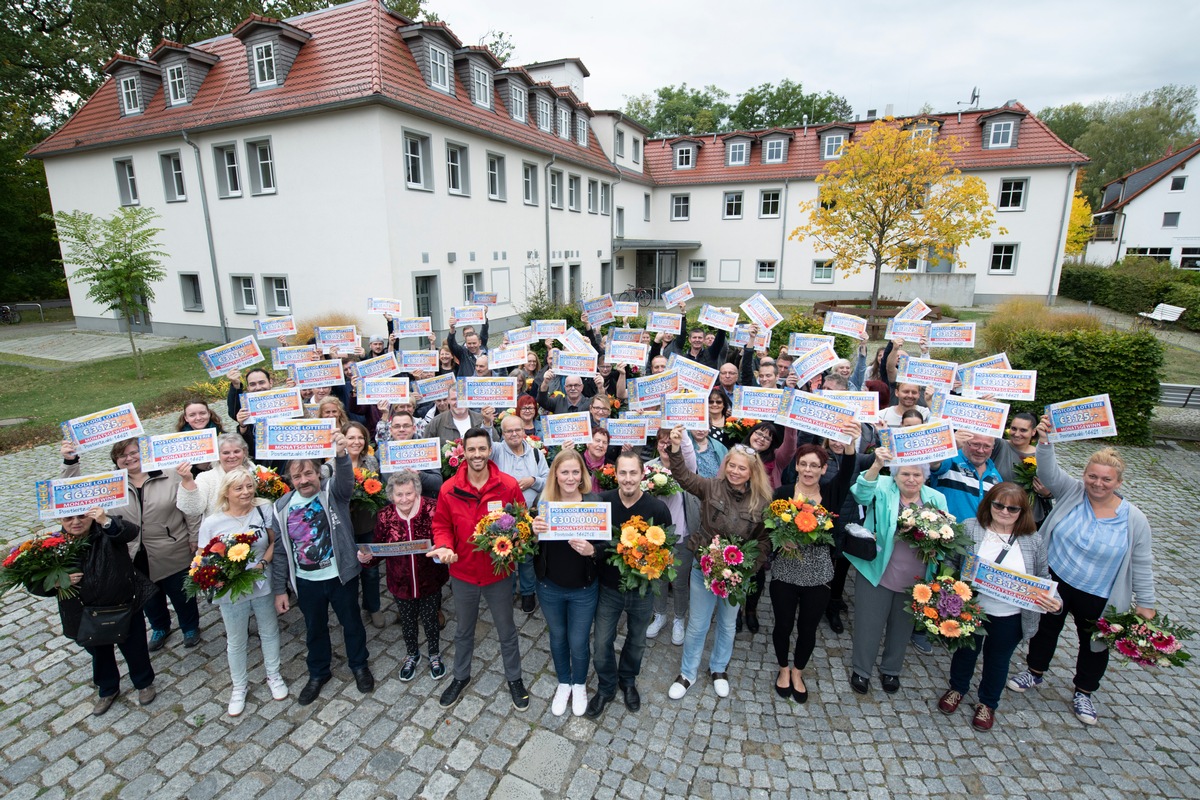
872, 52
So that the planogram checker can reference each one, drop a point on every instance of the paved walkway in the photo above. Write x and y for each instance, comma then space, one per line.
60, 341
1174, 333
398, 743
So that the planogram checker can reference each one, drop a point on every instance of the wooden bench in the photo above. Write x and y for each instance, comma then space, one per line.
1178, 395
1161, 315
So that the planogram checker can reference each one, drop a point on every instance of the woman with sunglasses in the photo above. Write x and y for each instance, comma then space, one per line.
1004, 519
718, 412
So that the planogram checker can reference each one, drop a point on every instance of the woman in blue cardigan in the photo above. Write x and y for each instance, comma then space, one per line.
880, 591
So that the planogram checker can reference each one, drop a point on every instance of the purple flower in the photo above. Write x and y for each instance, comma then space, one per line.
506, 521
949, 604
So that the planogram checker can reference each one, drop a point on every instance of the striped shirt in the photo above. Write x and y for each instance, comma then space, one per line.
1087, 552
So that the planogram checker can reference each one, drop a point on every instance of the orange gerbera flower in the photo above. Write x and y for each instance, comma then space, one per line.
922, 593
806, 522
950, 629
962, 590
372, 486
502, 546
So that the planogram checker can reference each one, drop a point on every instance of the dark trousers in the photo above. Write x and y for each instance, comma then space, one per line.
185, 608
800, 607
638, 612
837, 587
105, 672
315, 598
1085, 609
423, 610
368, 577
997, 647
498, 596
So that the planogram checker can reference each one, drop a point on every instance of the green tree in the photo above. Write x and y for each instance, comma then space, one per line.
27, 248
679, 110
500, 43
118, 257
786, 105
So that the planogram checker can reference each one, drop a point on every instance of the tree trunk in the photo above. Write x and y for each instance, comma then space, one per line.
875, 290
137, 359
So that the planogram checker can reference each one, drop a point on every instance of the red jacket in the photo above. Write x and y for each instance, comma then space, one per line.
410, 577
460, 506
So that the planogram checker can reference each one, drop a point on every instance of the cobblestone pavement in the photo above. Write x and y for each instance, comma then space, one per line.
396, 742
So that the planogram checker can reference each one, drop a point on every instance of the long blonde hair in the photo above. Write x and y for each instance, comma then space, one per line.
234, 476
759, 484
550, 492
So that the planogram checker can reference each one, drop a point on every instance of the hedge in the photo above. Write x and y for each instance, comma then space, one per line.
1133, 286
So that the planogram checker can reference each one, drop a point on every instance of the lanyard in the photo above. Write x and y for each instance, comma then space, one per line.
1008, 546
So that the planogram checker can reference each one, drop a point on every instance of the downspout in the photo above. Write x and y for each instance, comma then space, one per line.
1062, 233
212, 248
546, 204
782, 234
612, 227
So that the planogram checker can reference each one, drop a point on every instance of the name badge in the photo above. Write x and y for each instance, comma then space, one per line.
495, 505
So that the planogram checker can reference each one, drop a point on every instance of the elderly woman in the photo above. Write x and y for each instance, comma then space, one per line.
881, 589
198, 496
239, 511
1099, 553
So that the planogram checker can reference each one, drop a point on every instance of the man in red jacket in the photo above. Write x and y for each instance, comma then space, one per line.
478, 489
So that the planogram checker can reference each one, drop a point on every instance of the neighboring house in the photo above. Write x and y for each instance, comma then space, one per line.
350, 152
1153, 211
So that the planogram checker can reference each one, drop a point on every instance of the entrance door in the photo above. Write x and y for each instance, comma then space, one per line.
425, 289
139, 321
573, 282
666, 271
936, 263
556, 285
606, 277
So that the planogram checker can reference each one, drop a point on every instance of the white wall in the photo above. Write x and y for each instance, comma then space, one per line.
1144, 215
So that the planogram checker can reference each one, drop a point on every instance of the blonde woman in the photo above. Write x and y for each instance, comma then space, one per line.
198, 495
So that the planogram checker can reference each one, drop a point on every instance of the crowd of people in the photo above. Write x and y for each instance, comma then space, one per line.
1078, 531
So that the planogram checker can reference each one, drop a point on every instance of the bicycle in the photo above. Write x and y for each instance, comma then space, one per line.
642, 295
10, 316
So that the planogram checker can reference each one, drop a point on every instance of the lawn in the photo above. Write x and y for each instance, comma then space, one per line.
1180, 365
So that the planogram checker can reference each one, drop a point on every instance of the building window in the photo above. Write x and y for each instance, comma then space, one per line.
1189, 258
555, 189
765, 272
769, 203
646, 206
264, 65
457, 177
439, 68
472, 283
229, 181
1001, 134
189, 285
543, 111
605, 198
495, 177
680, 206
773, 151
697, 271
822, 272
683, 158
417, 166
1178, 182
1157, 253
581, 129
244, 301
126, 182
481, 85
517, 99
129, 96
593, 196
172, 172
564, 123
621, 144
833, 146
262, 167
1170, 219
177, 84
279, 301
738, 153
637, 150
733, 205
1004, 259
574, 189
620, 222
529, 183
1012, 195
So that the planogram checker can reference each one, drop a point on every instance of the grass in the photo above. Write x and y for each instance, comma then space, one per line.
1180, 365
30, 317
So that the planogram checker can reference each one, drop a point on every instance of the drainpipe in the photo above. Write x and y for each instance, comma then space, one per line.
612, 227
212, 248
546, 204
1062, 232
782, 235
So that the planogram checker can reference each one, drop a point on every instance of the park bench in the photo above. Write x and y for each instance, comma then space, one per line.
1178, 395
1162, 314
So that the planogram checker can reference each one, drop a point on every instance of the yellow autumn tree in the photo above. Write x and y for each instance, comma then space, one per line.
895, 194
1079, 229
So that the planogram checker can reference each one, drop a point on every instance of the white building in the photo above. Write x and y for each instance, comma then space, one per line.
302, 166
1153, 211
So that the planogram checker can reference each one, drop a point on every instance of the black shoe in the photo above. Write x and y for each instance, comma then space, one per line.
738, 623
528, 603
835, 621
633, 700
311, 690
364, 680
752, 621
408, 670
596, 705
520, 697
891, 683
453, 692
859, 684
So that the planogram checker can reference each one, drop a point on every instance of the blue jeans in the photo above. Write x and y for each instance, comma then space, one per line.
569, 614
526, 577
185, 608
236, 617
315, 598
1003, 636
638, 612
701, 603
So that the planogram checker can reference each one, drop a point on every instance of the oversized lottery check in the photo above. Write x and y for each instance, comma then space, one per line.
649, 390
846, 324
103, 428
599, 310
925, 372
169, 450
417, 360
865, 404
315, 374
689, 409
281, 357
289, 439
377, 390
626, 335
576, 521
565, 429
415, 454
383, 366
548, 329
627, 309
801, 343
581, 364
952, 334
759, 309
485, 298
576, 342
626, 431
1009, 585
483, 392
384, 305
920, 444
680, 294
520, 336
619, 352
910, 330
1002, 384
412, 547
983, 417
343, 337
998, 361
720, 318
820, 416
741, 338
813, 363
275, 326
468, 315
662, 322
1085, 418
693, 376
509, 355
67, 497
651, 418
236, 355
916, 309
756, 402
272, 403
404, 327
435, 388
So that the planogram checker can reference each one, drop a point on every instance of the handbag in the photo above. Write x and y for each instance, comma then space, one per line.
860, 543
104, 625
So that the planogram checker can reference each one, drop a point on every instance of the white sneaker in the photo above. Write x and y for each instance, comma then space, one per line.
279, 687
721, 684
656, 625
237, 701
579, 699
678, 630
679, 688
558, 706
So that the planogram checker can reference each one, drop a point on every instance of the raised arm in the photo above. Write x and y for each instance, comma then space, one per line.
1052, 476
687, 478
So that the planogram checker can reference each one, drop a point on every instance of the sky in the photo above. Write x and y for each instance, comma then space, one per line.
1040, 52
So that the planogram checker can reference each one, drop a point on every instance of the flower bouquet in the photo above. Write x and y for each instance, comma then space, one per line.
1149, 643
1024, 471
507, 536
452, 458
657, 480
737, 429
728, 568
368, 491
642, 554
43, 564
221, 568
934, 533
606, 477
797, 523
269, 484
536, 443
946, 611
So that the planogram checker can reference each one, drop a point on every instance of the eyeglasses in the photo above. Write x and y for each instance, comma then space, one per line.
745, 450
996, 506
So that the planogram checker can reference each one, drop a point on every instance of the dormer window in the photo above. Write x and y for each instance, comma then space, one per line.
129, 96
831, 146
518, 101
181, 70
621, 144
683, 157
737, 153
271, 49
481, 87
176, 84
1001, 134
564, 123
637, 150
581, 130
773, 151
264, 65
544, 112
439, 68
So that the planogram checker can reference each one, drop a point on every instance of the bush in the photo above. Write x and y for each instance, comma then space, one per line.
304, 327
1015, 317
1134, 285
1188, 296
804, 323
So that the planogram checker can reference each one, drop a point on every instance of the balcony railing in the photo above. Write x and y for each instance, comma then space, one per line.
1104, 233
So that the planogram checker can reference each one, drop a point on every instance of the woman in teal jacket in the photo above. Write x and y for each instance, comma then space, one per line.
880, 591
